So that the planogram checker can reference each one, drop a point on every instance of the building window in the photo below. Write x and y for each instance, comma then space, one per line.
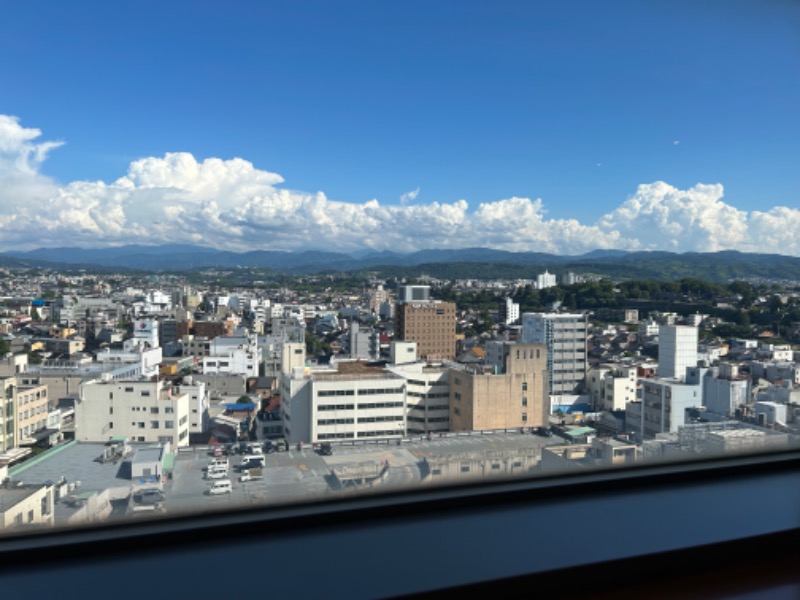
153, 424
524, 402
524, 417
524, 386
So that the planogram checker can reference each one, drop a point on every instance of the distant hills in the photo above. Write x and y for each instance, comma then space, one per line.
442, 263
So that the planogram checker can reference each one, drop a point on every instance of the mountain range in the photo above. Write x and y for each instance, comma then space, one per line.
465, 262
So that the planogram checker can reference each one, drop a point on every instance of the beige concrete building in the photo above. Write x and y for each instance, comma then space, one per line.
32, 409
516, 396
8, 414
429, 323
611, 387
13, 364
23, 506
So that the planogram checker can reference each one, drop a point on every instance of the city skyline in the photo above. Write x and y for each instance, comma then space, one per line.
518, 128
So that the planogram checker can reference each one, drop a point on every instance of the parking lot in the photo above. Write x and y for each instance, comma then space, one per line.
303, 475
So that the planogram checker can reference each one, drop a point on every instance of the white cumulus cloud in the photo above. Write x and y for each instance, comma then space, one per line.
409, 196
232, 204
661, 217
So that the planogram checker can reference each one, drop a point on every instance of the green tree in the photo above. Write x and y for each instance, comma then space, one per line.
314, 345
743, 319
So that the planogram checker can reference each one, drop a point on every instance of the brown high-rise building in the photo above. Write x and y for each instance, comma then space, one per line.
208, 329
429, 323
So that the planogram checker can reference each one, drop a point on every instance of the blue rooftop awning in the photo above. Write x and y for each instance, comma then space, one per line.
236, 406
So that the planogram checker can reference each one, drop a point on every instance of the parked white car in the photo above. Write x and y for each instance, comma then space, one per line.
221, 487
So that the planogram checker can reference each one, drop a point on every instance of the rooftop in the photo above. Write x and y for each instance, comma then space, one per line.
11, 496
148, 454
355, 376
77, 461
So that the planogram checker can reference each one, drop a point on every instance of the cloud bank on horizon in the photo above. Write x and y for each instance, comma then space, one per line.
230, 204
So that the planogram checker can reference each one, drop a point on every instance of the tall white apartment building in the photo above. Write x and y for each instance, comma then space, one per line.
677, 350
564, 335
570, 279
142, 411
545, 280
198, 404
510, 311
377, 298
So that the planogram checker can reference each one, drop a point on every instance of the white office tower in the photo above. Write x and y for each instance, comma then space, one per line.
413, 293
145, 331
510, 311
564, 334
545, 280
677, 350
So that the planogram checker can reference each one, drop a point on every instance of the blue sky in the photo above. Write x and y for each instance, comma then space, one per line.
606, 113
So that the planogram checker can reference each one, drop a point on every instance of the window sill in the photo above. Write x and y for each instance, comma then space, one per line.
434, 539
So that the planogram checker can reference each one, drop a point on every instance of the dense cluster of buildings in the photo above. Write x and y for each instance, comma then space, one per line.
178, 367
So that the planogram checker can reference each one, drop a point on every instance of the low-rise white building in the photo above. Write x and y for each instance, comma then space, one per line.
770, 413
611, 387
142, 411
724, 390
143, 360
237, 355
664, 403
333, 405
775, 352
